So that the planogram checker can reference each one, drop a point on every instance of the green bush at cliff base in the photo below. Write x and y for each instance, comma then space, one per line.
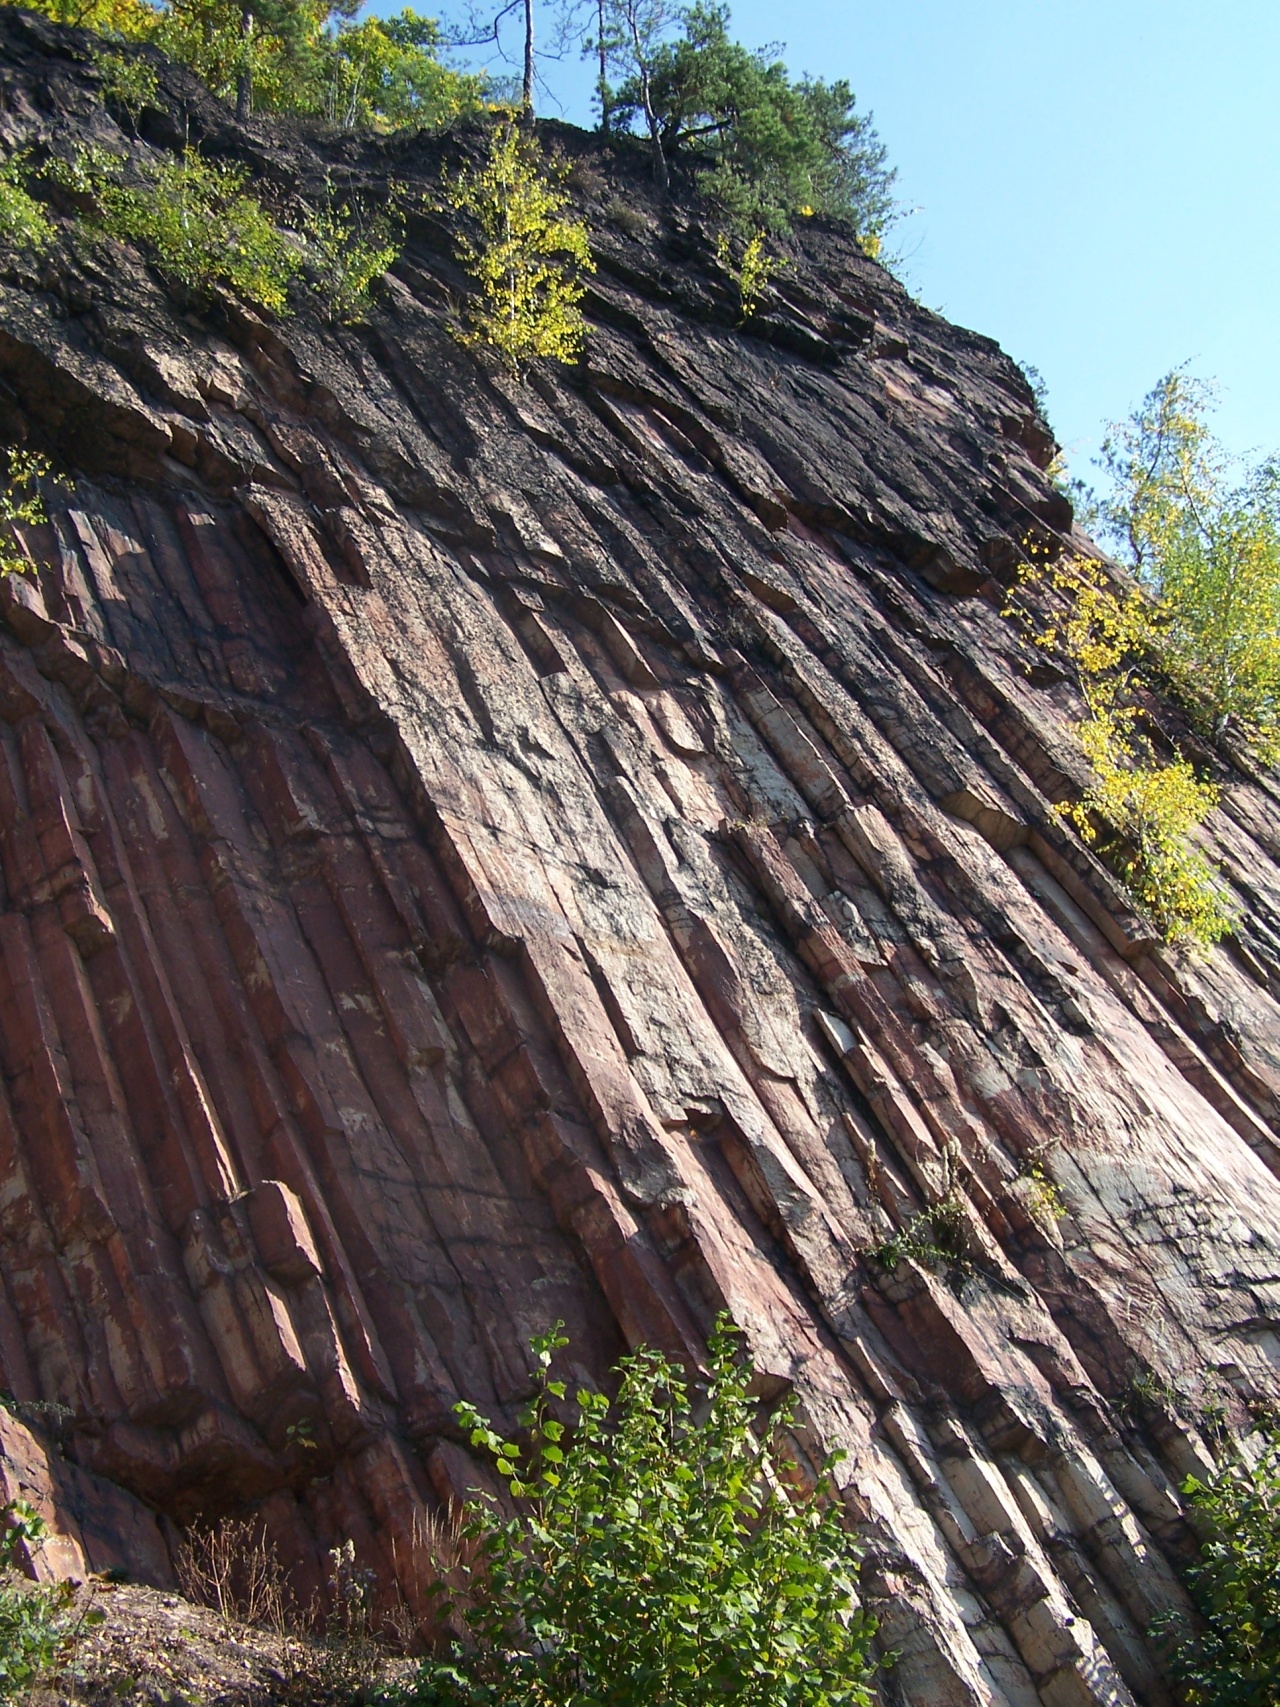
654, 1557
193, 217
39, 1623
1233, 1660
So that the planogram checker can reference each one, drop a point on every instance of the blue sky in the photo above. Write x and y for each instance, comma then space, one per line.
1097, 182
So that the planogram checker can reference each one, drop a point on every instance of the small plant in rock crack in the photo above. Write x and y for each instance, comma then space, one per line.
42, 1416
1040, 1193
934, 1238
302, 1434
752, 271
1043, 1198
937, 1236
1148, 1390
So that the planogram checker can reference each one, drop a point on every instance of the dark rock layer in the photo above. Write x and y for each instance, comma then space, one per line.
477, 853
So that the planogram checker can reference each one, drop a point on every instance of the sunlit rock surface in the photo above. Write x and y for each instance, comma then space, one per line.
480, 853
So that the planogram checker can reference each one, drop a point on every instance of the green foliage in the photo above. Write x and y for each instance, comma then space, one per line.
20, 501
23, 1527
302, 1434
934, 1238
1153, 809
1234, 1660
654, 1557
1140, 811
299, 56
38, 1624
767, 146
262, 51
23, 224
1041, 1194
128, 82
753, 271
349, 247
384, 73
194, 217
200, 224
1204, 541
526, 258
309, 56
130, 19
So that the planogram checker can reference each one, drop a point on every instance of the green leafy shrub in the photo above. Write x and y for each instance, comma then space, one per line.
753, 270
384, 72
527, 258
194, 217
654, 1557
23, 224
934, 1238
1233, 1660
1152, 810
39, 1624
348, 247
1140, 812
20, 501
130, 19
128, 82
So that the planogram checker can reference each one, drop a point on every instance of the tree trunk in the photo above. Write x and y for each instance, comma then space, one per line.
528, 57
604, 68
650, 117
244, 78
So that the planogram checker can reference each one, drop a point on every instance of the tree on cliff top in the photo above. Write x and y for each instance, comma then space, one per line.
655, 1557
765, 146
302, 56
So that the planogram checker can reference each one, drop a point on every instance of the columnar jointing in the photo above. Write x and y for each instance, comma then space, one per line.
479, 853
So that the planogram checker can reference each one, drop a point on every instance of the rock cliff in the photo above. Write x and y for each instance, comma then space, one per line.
476, 853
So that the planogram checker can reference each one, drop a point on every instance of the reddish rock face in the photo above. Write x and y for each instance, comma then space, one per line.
480, 853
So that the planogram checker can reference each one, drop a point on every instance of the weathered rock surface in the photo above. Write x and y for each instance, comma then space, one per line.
479, 853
